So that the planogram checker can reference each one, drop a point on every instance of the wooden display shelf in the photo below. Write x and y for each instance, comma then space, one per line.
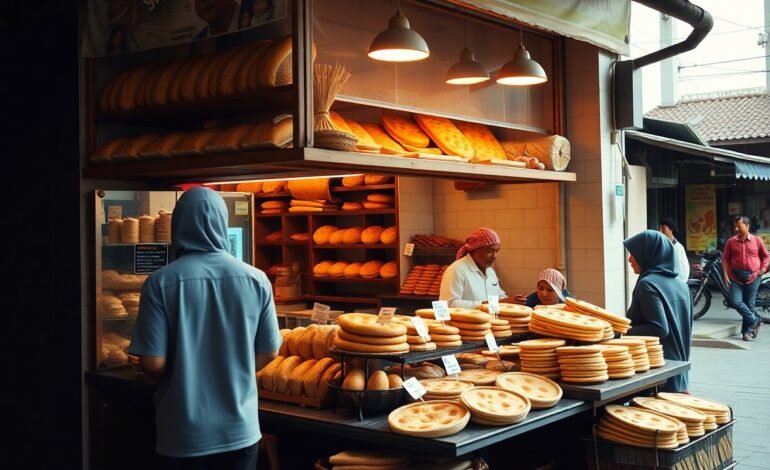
308, 162
358, 280
318, 403
367, 246
269, 195
275, 99
371, 187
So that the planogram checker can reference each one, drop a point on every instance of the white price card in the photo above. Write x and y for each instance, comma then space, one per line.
493, 302
414, 388
419, 326
408, 249
386, 314
441, 310
491, 342
450, 364
320, 313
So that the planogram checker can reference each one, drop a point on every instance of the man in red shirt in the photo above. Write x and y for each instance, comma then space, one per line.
744, 261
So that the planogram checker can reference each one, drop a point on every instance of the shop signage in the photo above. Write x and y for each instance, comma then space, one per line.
386, 314
441, 310
491, 342
149, 257
493, 302
701, 217
408, 249
120, 27
241, 208
734, 208
320, 313
419, 326
450, 364
414, 388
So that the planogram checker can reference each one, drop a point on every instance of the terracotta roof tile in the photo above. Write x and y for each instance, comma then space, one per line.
723, 118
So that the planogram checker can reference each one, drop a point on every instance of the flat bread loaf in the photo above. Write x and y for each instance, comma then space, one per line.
484, 143
404, 130
446, 135
365, 141
387, 144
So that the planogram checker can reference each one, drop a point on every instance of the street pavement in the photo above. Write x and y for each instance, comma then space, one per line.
735, 372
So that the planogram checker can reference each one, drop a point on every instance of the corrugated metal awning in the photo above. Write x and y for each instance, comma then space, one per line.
746, 166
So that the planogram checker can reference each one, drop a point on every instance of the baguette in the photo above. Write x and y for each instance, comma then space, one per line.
265, 377
195, 143
295, 378
176, 83
229, 76
230, 139
314, 375
192, 75
128, 92
283, 371
106, 151
162, 147
331, 374
248, 75
161, 92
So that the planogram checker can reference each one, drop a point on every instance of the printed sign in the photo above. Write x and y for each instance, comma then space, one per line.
386, 314
414, 388
491, 342
320, 313
149, 257
493, 302
419, 326
450, 364
701, 217
408, 249
241, 208
441, 310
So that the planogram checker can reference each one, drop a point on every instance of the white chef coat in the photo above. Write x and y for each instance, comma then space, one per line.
464, 285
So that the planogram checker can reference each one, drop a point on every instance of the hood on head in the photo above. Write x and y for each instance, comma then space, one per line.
199, 222
653, 251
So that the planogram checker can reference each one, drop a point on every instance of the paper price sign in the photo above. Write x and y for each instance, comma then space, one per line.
491, 342
441, 310
414, 388
450, 364
386, 314
408, 249
493, 302
419, 326
320, 313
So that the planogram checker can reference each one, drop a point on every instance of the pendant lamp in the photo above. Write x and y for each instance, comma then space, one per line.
398, 43
467, 71
522, 70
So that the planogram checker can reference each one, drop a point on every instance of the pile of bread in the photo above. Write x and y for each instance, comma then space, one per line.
143, 229
244, 136
356, 380
333, 235
424, 136
304, 367
120, 305
235, 71
472, 324
356, 269
113, 280
389, 460
435, 241
114, 349
424, 279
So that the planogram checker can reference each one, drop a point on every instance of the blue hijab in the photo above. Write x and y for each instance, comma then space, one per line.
654, 253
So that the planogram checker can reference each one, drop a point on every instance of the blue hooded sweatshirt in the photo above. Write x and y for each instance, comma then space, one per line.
661, 305
208, 314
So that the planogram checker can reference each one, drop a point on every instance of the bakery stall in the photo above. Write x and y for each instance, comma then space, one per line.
347, 170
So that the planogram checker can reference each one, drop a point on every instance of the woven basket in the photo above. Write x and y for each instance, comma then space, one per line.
335, 140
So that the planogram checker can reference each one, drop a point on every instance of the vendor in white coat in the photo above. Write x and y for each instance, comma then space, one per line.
470, 280
668, 228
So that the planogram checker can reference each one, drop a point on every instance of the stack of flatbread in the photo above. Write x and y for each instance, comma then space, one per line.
361, 333
494, 406
538, 356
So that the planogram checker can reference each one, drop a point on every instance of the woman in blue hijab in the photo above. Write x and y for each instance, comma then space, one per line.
661, 305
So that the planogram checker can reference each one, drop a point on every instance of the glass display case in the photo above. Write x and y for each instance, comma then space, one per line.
133, 237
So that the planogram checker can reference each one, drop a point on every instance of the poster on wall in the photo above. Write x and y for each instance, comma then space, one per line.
116, 27
701, 214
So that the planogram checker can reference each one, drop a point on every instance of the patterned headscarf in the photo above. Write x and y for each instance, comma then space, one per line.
553, 277
480, 237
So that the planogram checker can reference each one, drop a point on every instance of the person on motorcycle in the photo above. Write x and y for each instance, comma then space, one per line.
744, 261
660, 304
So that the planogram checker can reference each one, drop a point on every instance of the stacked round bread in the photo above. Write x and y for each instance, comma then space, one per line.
129, 230
444, 388
479, 377
517, 316
691, 417
361, 333
500, 328
495, 406
430, 419
415, 341
146, 229
539, 356
640, 427
570, 325
654, 350
114, 349
130, 301
368, 459
114, 230
112, 307
541, 391
304, 366
473, 324
620, 363
719, 411
638, 350
163, 226
505, 351
582, 364
619, 324
424, 279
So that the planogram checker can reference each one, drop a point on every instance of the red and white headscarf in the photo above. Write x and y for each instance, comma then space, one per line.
480, 238
553, 277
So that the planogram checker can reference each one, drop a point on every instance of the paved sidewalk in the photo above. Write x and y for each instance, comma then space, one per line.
737, 373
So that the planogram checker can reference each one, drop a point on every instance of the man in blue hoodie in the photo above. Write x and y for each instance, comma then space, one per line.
661, 304
206, 324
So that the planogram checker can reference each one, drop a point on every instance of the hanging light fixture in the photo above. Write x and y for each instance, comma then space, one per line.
522, 70
399, 43
467, 71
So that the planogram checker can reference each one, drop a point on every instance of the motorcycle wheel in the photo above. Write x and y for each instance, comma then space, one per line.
703, 304
762, 305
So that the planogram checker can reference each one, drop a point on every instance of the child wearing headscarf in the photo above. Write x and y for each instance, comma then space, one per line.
470, 280
550, 282
661, 304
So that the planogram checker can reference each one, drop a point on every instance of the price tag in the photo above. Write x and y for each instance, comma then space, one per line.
441, 310
408, 249
419, 325
414, 388
320, 313
386, 314
450, 364
491, 342
493, 302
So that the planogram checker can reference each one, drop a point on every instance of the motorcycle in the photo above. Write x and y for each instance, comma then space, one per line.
711, 275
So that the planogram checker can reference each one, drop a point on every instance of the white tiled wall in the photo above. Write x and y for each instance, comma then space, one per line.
416, 212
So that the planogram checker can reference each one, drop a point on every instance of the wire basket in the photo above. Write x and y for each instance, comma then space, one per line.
368, 401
